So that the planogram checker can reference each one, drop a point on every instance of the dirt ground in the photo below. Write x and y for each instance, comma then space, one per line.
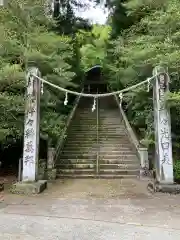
91, 209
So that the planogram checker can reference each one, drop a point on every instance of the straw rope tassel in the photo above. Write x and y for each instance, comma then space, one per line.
94, 105
66, 99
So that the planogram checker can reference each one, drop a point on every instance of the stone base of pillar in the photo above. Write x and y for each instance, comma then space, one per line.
168, 188
29, 188
51, 174
164, 188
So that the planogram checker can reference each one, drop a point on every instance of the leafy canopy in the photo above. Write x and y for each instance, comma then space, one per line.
26, 40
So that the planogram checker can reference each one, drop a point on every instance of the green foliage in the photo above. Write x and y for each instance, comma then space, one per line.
67, 21
93, 50
27, 40
153, 39
140, 35
177, 170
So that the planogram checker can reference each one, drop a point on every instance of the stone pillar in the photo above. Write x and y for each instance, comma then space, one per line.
30, 184
51, 170
162, 123
51, 154
31, 127
143, 154
1, 2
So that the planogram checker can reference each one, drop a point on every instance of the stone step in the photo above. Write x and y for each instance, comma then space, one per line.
65, 161
94, 160
128, 166
76, 165
94, 127
107, 144
115, 151
98, 150
85, 122
76, 171
86, 148
112, 151
105, 176
118, 157
120, 140
112, 129
107, 139
94, 145
84, 119
101, 154
115, 138
111, 117
101, 172
82, 137
100, 132
114, 114
79, 141
102, 121
101, 166
112, 135
62, 175
115, 141
118, 161
111, 126
100, 128
94, 131
120, 171
104, 136
102, 117
81, 132
84, 125
76, 122
90, 138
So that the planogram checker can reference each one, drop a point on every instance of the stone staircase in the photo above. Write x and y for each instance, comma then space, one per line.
97, 144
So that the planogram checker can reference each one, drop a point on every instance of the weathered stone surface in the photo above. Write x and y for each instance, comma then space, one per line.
112, 157
31, 126
168, 188
51, 174
151, 187
51, 153
42, 169
29, 188
145, 173
163, 141
164, 188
